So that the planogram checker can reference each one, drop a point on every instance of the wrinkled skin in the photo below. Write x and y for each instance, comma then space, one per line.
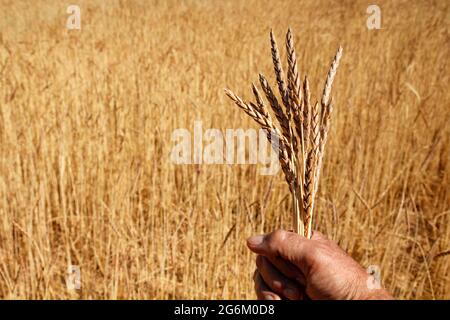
290, 266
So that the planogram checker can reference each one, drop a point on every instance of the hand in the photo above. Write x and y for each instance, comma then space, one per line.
289, 266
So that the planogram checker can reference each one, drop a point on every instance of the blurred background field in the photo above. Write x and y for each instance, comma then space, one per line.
86, 118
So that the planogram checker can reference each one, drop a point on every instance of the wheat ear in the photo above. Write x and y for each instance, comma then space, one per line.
279, 114
279, 74
330, 78
327, 109
265, 121
294, 88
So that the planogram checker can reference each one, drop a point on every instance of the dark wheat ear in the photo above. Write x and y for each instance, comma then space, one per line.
259, 101
294, 89
258, 114
294, 83
279, 74
279, 114
306, 114
308, 192
247, 108
276, 139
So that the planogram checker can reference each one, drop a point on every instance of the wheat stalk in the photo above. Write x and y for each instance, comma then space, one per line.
304, 128
306, 114
325, 126
313, 160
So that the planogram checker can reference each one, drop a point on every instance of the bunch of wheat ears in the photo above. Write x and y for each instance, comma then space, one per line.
304, 126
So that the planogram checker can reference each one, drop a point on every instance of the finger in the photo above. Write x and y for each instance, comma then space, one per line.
316, 235
276, 281
263, 292
288, 269
287, 245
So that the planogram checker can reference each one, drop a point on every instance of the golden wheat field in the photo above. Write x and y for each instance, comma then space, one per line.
86, 123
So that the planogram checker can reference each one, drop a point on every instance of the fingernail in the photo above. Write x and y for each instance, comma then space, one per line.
290, 293
268, 297
255, 241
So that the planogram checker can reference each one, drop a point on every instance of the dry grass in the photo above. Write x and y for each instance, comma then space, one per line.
85, 127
